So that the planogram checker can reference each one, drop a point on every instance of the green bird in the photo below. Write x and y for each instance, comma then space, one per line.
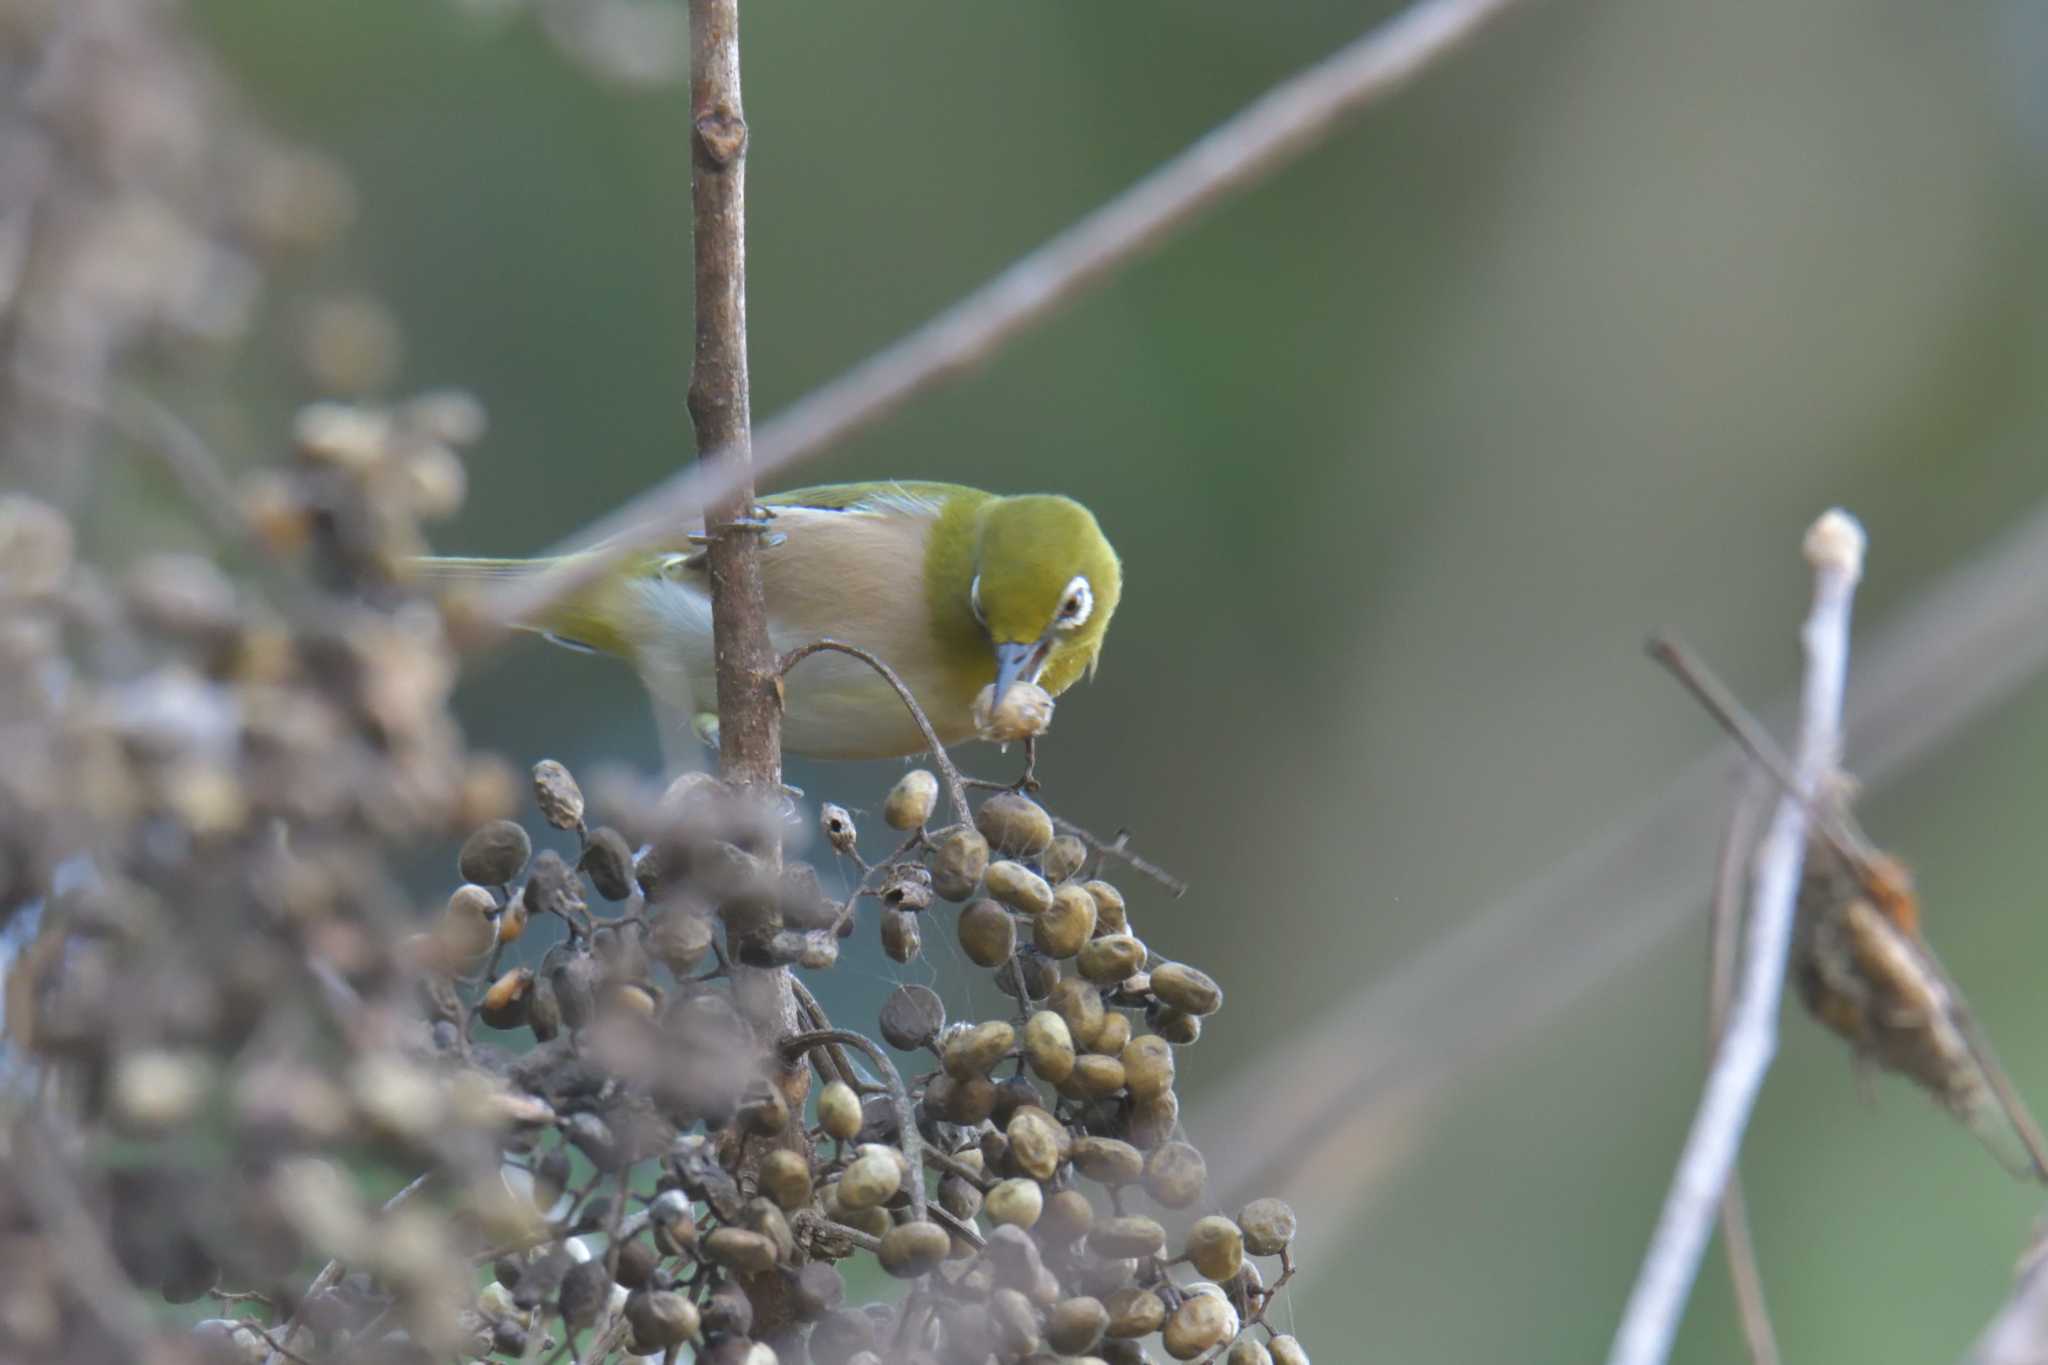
954, 588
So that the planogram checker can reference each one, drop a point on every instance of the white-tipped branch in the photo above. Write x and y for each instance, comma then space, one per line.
1834, 548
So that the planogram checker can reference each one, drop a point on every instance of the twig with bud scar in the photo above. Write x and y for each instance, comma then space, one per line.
956, 791
1834, 548
797, 1045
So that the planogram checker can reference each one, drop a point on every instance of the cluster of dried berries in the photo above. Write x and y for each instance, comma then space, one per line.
686, 1197
209, 1013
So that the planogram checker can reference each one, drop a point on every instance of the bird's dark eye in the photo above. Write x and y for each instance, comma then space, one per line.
1076, 605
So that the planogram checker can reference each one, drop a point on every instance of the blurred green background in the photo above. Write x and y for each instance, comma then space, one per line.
1404, 452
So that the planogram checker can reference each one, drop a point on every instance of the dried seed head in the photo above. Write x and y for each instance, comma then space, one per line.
742, 1250
1068, 1216
1186, 989
544, 1011
585, 1290
680, 938
661, 1318
608, 862
1215, 1247
1027, 976
956, 1100
987, 934
871, 1181
556, 792
1111, 958
1074, 1326
1287, 1351
839, 1111
1025, 712
1080, 1004
902, 940
1177, 1027
468, 927
1048, 1046
1108, 1160
910, 801
1175, 1175
958, 860
1148, 1066
1268, 1226
1152, 1121
1135, 1313
1035, 1139
505, 1004
1015, 1203
1018, 887
495, 853
913, 1249
1063, 859
817, 1289
1202, 1321
786, 1178
637, 1262
1066, 926
838, 827
912, 1017
973, 1051
1014, 825
1094, 1077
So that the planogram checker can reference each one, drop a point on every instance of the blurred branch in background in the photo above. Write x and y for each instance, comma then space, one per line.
1834, 549
1961, 648
2018, 1332
1273, 130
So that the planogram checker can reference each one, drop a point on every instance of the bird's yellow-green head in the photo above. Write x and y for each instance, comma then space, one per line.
1029, 583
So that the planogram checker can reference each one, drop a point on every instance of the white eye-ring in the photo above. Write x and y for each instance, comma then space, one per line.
974, 599
1075, 604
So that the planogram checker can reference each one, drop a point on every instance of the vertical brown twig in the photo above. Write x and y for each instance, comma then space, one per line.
750, 740
1743, 1270
747, 671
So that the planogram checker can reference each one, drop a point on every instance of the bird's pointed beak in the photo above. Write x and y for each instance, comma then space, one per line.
1014, 663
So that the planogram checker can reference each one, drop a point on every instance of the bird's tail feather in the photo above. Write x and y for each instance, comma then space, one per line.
584, 621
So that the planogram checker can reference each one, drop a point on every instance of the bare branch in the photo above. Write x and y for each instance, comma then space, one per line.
1736, 1242
1834, 547
1273, 130
956, 792
2018, 1334
794, 1049
1945, 660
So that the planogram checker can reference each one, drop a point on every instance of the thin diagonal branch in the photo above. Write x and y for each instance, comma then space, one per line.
1273, 130
1736, 1242
1834, 548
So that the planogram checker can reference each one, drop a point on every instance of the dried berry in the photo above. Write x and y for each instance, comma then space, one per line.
910, 801
1066, 925
556, 792
913, 1249
1215, 1247
911, 1017
1018, 887
987, 934
608, 862
495, 853
959, 858
1014, 825
1268, 1226
1175, 1175
1186, 989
